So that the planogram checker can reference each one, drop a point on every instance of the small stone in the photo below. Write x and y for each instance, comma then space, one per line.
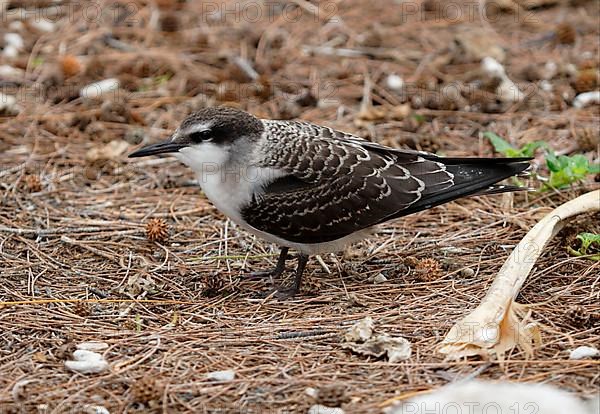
584, 352
586, 99
394, 82
100, 88
322, 409
227, 375
467, 272
93, 346
87, 362
380, 278
8, 105
15, 40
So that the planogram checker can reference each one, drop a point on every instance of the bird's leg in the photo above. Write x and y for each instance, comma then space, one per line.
279, 267
292, 291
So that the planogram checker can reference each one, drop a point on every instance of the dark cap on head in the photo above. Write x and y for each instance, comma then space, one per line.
219, 125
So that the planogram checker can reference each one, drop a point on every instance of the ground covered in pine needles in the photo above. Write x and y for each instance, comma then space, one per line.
96, 247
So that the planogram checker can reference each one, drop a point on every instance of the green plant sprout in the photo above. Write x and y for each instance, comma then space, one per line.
564, 170
504, 148
589, 241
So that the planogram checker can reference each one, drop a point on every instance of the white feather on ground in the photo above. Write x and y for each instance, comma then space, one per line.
479, 397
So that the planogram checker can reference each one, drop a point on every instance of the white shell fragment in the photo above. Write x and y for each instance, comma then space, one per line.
322, 409
42, 25
584, 352
508, 91
479, 397
87, 362
394, 82
360, 331
10, 71
397, 348
379, 278
15, 40
8, 105
92, 346
359, 338
227, 375
586, 99
95, 409
100, 88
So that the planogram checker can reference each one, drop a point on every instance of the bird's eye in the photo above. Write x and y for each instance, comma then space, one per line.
201, 136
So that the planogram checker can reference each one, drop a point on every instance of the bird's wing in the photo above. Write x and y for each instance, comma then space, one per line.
337, 183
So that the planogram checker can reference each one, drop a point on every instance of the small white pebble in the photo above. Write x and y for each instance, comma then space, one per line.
10, 52
492, 67
227, 375
8, 105
93, 346
311, 392
394, 82
42, 25
95, 409
546, 86
467, 272
16, 26
584, 352
9, 71
586, 99
14, 39
550, 70
97, 89
380, 278
87, 362
321, 409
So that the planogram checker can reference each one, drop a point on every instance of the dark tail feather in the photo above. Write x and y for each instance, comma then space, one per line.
498, 189
472, 176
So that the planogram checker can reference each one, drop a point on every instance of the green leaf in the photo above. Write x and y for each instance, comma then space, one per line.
504, 148
37, 62
589, 241
499, 144
528, 150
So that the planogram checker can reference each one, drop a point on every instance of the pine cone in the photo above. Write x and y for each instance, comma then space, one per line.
586, 80
428, 270
578, 316
157, 230
147, 389
82, 309
565, 34
332, 395
213, 284
33, 183
170, 23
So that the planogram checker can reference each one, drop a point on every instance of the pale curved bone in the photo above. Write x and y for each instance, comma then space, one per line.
497, 325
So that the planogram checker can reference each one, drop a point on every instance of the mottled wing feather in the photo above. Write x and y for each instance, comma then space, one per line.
336, 184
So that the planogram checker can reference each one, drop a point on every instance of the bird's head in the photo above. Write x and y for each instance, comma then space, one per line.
207, 136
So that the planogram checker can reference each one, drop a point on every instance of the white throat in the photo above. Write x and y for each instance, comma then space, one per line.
228, 185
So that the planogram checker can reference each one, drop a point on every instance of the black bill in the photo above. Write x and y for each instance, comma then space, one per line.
160, 148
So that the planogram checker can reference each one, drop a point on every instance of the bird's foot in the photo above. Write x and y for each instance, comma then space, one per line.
260, 274
282, 292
